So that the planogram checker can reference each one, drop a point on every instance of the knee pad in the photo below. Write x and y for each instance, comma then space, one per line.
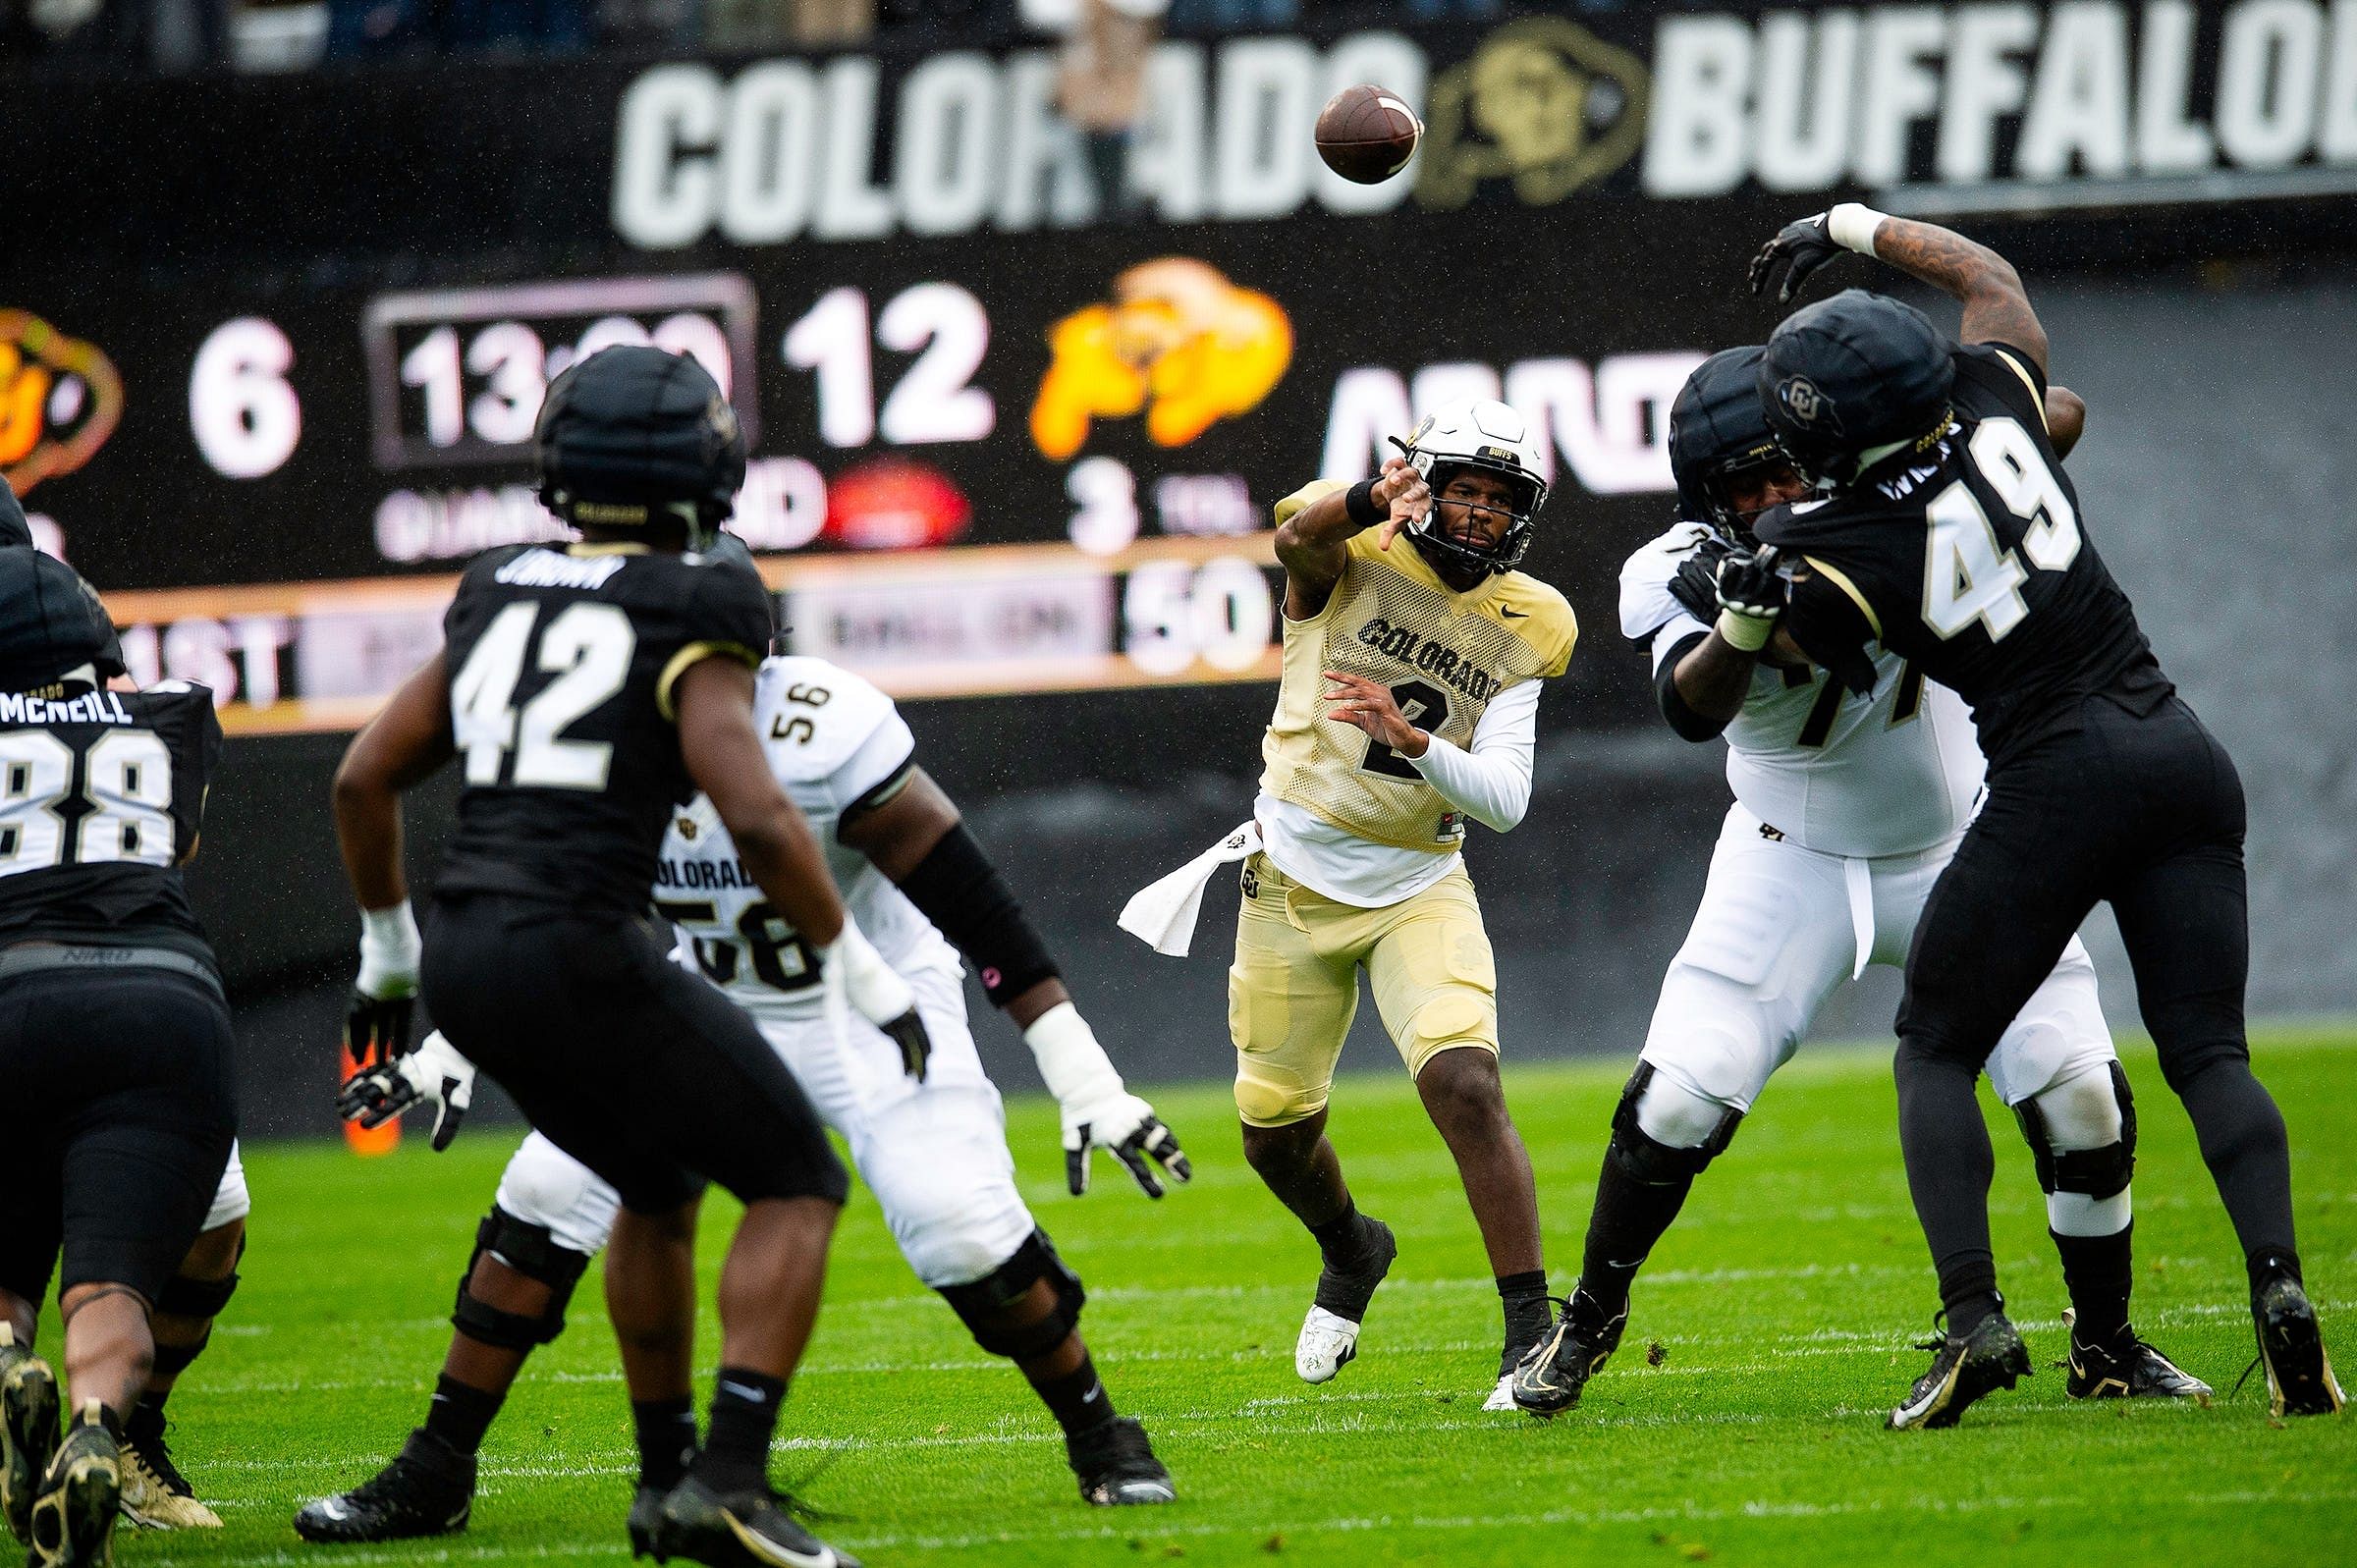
184, 1297
1647, 1160
532, 1252
982, 1304
2102, 1171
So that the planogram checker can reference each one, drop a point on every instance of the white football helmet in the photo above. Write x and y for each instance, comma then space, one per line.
1484, 434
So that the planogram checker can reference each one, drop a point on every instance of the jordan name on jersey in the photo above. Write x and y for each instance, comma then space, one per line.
1880, 775
831, 739
1443, 655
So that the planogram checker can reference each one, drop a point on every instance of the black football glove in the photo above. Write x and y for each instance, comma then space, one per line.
433, 1074
1696, 585
1798, 249
1748, 584
376, 1029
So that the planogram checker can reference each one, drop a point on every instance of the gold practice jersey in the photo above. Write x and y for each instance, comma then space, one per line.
1445, 656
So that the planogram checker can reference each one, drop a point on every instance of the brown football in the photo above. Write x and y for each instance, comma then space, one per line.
1367, 134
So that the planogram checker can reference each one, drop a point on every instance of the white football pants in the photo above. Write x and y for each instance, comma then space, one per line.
934, 1153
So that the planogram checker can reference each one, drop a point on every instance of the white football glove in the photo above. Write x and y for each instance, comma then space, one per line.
376, 1020
434, 1074
854, 976
1099, 1112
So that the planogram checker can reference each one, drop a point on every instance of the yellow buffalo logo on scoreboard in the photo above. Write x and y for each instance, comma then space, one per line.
1178, 340
60, 399
1544, 103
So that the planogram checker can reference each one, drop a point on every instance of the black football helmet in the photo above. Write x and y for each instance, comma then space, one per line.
15, 529
51, 623
634, 436
1717, 431
1850, 374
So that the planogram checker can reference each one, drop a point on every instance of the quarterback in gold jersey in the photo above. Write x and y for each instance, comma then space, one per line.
1413, 652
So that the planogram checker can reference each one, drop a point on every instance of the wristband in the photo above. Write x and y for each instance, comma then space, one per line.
1745, 634
1072, 1062
1360, 502
1852, 225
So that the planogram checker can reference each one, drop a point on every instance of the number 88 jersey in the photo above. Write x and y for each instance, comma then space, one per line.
562, 665
834, 743
101, 798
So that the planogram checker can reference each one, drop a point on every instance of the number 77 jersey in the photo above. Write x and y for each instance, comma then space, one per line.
1968, 559
563, 665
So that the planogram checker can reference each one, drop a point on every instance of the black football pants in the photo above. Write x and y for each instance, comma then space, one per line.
2144, 813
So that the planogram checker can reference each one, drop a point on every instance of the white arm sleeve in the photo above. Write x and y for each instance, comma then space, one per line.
1491, 782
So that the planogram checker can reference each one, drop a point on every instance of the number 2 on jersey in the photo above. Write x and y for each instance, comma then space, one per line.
1968, 574
587, 647
1425, 707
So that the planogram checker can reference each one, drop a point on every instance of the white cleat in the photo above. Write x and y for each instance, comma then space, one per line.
1327, 1345
1502, 1397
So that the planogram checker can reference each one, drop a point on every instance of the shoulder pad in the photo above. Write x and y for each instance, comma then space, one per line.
814, 715
1646, 602
1302, 496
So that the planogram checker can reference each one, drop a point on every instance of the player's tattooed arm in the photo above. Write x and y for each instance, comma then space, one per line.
1996, 307
723, 753
1313, 544
404, 743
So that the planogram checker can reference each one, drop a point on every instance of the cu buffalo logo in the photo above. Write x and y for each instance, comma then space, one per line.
1810, 409
1178, 343
1543, 104
60, 399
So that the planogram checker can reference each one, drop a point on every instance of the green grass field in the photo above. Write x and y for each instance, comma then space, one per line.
1783, 1307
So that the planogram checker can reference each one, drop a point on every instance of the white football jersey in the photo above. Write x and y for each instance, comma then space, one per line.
832, 738
1881, 774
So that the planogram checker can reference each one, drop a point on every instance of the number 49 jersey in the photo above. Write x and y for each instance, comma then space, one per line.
834, 742
1885, 774
562, 667
101, 797
1971, 562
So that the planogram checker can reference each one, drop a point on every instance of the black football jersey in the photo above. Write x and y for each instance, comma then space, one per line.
1972, 562
101, 798
561, 664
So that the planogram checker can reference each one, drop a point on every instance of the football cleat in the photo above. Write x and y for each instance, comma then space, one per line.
74, 1517
748, 1528
1989, 1358
27, 1429
155, 1494
2291, 1347
1329, 1337
1549, 1379
647, 1519
428, 1490
2127, 1369
1116, 1467
1324, 1346
1501, 1397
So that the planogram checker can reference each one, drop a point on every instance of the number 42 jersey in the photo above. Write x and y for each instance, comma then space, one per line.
835, 744
562, 667
101, 798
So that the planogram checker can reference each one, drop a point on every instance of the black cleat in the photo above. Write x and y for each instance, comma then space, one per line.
74, 1517
1989, 1358
1116, 1467
1549, 1379
2291, 1347
748, 1528
2125, 1369
428, 1490
27, 1429
645, 1521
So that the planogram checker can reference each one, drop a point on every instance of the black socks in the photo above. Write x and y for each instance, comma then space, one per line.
666, 1439
1629, 1217
2099, 1273
1077, 1399
1338, 1238
744, 1417
460, 1414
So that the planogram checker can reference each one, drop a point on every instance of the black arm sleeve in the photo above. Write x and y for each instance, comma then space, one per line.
1690, 725
959, 890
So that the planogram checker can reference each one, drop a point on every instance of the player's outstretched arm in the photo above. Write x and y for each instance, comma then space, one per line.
1313, 543
1996, 307
915, 837
714, 700
2065, 419
404, 743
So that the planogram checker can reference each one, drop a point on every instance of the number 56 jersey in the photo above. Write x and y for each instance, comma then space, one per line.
1885, 774
562, 667
836, 745
101, 798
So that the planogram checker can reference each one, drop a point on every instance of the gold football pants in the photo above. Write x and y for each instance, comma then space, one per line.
1293, 988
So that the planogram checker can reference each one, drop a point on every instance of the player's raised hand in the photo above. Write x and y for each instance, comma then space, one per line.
1798, 249
1402, 492
433, 1074
1752, 595
1370, 705
1097, 1110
